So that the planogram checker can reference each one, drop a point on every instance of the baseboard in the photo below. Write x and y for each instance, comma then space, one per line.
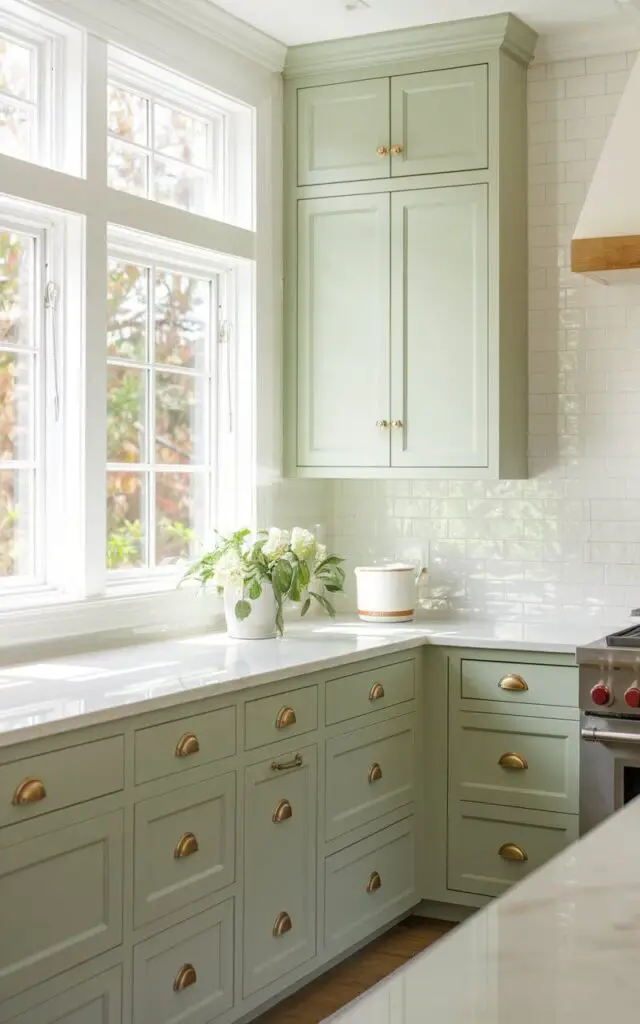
443, 911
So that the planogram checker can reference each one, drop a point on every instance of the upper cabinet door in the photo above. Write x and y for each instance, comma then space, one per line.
439, 331
439, 121
343, 132
343, 331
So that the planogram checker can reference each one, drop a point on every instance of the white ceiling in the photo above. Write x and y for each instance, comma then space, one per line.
307, 21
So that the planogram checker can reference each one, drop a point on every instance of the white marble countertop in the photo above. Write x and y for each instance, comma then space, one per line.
560, 947
51, 696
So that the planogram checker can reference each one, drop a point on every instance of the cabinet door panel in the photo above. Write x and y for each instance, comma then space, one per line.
98, 1001
340, 128
440, 118
343, 331
439, 364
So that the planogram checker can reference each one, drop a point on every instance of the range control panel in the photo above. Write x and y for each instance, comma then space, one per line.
610, 690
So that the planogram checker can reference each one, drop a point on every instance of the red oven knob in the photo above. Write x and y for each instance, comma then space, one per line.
601, 694
632, 697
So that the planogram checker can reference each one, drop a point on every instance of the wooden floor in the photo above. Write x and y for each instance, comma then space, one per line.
354, 976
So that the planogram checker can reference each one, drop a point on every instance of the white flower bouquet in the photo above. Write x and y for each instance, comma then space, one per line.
290, 562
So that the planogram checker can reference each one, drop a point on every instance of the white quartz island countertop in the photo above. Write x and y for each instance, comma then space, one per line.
51, 696
559, 948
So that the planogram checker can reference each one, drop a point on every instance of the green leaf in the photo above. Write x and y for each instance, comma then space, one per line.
331, 560
305, 608
242, 610
333, 588
254, 590
294, 589
304, 575
279, 617
281, 577
322, 601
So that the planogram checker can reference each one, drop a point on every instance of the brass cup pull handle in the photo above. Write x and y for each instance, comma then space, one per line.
513, 683
382, 424
283, 811
509, 851
30, 791
374, 883
382, 151
283, 766
283, 924
187, 744
514, 761
376, 692
185, 977
186, 846
375, 772
396, 150
397, 424
285, 718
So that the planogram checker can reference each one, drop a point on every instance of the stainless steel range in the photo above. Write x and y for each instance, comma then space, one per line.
610, 724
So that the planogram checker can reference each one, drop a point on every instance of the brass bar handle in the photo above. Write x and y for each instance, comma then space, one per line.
376, 692
375, 772
285, 718
283, 924
382, 151
186, 846
396, 424
283, 766
396, 150
187, 744
374, 883
30, 791
509, 851
513, 683
283, 811
185, 977
514, 761
382, 424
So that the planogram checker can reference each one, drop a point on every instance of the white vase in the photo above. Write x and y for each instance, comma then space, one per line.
261, 624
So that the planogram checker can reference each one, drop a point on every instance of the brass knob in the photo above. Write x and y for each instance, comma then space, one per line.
30, 791
374, 883
513, 761
283, 811
376, 692
375, 772
187, 745
509, 851
186, 846
396, 424
282, 925
383, 424
396, 150
285, 718
185, 977
283, 766
382, 151
513, 682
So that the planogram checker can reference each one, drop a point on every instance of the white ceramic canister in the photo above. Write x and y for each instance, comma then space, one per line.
386, 593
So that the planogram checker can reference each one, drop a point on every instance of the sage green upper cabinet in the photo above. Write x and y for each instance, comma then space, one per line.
439, 121
341, 128
439, 365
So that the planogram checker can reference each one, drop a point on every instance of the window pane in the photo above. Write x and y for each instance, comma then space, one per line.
16, 523
180, 419
180, 136
127, 168
182, 319
180, 505
180, 185
16, 384
127, 292
16, 130
17, 254
125, 414
128, 115
126, 514
16, 69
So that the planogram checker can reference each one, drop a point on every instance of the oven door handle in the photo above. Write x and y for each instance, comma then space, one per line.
594, 735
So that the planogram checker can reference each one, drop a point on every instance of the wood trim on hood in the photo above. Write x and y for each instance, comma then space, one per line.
593, 255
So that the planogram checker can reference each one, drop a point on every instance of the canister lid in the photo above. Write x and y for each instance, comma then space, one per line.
386, 567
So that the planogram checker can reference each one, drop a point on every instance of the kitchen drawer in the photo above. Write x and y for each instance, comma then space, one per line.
479, 832
280, 876
186, 743
369, 884
515, 760
533, 684
373, 690
98, 1001
48, 782
185, 975
369, 773
184, 846
270, 719
60, 900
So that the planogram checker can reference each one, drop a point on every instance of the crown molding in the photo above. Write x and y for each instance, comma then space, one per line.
499, 31
617, 34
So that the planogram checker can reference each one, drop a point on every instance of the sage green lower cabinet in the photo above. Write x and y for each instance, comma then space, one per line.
98, 1001
371, 691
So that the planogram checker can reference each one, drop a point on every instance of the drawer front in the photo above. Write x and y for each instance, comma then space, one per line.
184, 846
98, 1001
369, 772
177, 746
61, 900
515, 760
366, 692
519, 683
185, 974
280, 876
48, 782
490, 848
270, 719
369, 884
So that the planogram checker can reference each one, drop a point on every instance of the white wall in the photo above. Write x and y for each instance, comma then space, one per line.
568, 538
